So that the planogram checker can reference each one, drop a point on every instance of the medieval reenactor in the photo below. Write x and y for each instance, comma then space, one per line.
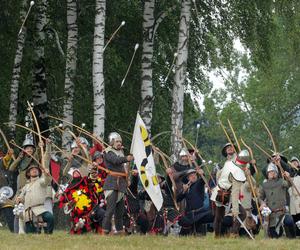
6, 191
228, 151
177, 170
98, 160
135, 219
96, 147
24, 160
115, 185
231, 178
20, 166
196, 212
280, 161
33, 195
76, 160
95, 182
295, 170
164, 220
273, 195
76, 201
294, 196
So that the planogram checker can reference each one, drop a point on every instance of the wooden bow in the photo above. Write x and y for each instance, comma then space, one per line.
234, 135
6, 143
166, 165
87, 133
194, 162
227, 136
41, 144
279, 164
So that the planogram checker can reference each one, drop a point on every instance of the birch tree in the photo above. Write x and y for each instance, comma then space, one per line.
150, 26
39, 86
71, 62
180, 77
98, 77
147, 56
14, 88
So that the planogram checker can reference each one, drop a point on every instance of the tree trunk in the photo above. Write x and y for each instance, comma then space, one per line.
71, 62
98, 77
14, 88
39, 86
147, 56
180, 77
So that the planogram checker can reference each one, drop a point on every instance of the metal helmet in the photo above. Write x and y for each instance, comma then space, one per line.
243, 158
97, 155
28, 141
113, 136
183, 152
74, 144
82, 141
272, 167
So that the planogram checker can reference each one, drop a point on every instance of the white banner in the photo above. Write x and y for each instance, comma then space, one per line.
141, 149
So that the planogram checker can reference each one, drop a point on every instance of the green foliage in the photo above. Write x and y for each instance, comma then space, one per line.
268, 29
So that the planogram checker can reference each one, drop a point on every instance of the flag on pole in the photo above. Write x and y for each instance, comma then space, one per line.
141, 149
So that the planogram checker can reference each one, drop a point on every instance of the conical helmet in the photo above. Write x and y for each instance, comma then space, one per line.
272, 167
183, 152
28, 141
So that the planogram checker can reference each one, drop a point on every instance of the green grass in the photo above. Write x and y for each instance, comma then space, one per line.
61, 240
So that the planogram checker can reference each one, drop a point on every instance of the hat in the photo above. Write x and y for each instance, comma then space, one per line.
294, 158
30, 167
224, 149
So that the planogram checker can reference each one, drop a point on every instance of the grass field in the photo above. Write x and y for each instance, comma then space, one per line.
61, 240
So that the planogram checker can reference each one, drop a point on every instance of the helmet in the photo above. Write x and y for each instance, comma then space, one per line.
28, 141
224, 149
82, 141
183, 152
112, 137
97, 155
243, 158
272, 167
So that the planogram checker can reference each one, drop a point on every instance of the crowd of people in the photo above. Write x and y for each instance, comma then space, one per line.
100, 190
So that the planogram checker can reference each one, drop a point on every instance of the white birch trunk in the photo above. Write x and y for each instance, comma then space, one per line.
98, 77
147, 57
180, 77
71, 63
14, 88
39, 86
